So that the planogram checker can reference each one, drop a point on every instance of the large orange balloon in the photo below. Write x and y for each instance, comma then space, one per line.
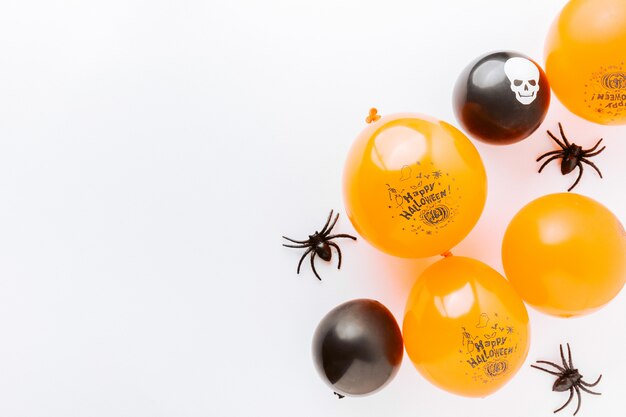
465, 328
413, 186
586, 59
565, 254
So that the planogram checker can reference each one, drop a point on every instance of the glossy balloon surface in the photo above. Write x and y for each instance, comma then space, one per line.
413, 186
357, 347
465, 328
501, 98
565, 254
585, 55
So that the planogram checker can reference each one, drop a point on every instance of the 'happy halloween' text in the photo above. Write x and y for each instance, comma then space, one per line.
489, 349
425, 195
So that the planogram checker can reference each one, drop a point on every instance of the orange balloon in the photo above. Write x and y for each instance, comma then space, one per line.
586, 59
565, 254
465, 328
413, 186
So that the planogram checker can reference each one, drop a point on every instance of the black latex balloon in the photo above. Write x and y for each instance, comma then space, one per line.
501, 97
357, 347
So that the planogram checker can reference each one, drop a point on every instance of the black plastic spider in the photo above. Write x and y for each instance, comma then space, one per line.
568, 379
319, 244
572, 156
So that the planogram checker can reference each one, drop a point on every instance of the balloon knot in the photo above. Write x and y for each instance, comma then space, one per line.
373, 116
446, 254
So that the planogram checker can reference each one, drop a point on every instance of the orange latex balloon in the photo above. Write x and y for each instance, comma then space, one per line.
413, 186
586, 59
465, 328
565, 254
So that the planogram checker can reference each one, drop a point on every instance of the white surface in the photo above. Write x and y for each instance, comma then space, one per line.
152, 154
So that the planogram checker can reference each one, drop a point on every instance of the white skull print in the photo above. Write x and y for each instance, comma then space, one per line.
524, 78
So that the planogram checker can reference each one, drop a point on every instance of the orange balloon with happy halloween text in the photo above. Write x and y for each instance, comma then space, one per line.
414, 186
586, 59
465, 328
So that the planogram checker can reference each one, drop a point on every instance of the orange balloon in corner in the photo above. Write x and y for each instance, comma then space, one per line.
465, 328
565, 254
585, 55
413, 186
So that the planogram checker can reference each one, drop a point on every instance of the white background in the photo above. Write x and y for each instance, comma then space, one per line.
152, 153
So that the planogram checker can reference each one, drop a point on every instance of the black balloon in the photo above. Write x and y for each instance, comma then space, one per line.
501, 98
357, 347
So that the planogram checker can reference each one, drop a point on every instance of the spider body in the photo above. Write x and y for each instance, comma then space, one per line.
569, 379
322, 248
572, 156
319, 244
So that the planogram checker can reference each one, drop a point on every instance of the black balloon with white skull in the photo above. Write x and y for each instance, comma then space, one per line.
357, 347
501, 97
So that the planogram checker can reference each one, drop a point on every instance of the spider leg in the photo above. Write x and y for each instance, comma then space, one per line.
553, 364
591, 385
563, 135
547, 154
327, 222
548, 161
302, 259
580, 174
569, 355
594, 147
588, 162
331, 226
295, 241
556, 140
334, 245
589, 391
579, 400
571, 395
595, 153
341, 235
296, 246
313, 266
545, 370
563, 357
